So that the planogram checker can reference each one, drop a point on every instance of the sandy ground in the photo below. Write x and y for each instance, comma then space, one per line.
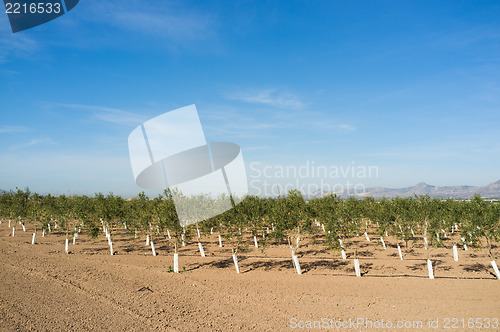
44, 289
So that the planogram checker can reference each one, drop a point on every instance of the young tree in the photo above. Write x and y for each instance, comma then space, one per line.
64, 214
20, 208
483, 221
230, 224
169, 224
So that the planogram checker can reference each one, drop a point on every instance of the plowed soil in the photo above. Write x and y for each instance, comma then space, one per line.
44, 289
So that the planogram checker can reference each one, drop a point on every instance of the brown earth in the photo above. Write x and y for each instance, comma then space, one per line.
44, 289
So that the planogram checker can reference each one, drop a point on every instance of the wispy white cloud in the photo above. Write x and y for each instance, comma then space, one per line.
13, 129
346, 127
32, 142
120, 117
253, 148
333, 125
160, 24
108, 23
240, 130
108, 114
159, 18
270, 123
313, 120
17, 45
228, 122
289, 112
270, 97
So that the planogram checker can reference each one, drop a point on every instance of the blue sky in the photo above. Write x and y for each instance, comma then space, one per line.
411, 87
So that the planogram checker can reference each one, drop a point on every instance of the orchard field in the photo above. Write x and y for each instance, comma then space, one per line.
106, 263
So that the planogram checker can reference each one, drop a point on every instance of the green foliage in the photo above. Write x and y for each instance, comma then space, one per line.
290, 217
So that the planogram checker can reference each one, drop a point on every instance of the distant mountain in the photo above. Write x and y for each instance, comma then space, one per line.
490, 191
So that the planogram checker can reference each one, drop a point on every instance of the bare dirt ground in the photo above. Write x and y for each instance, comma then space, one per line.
44, 289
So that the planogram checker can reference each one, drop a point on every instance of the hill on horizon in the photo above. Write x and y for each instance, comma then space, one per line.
489, 191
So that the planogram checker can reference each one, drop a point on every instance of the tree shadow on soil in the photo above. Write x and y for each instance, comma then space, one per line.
328, 264
269, 265
95, 251
423, 266
313, 252
219, 263
418, 266
439, 263
476, 267
363, 267
365, 253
